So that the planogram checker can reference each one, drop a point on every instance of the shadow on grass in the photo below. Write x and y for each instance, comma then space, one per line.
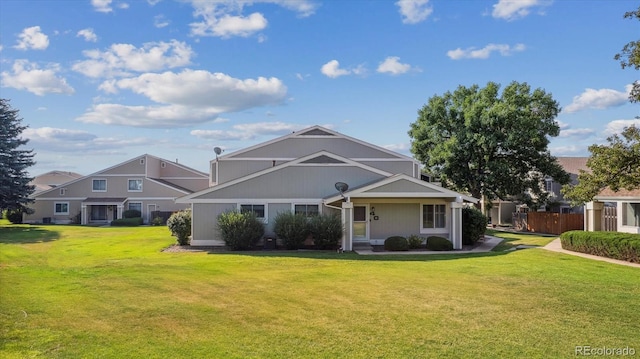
513, 239
21, 234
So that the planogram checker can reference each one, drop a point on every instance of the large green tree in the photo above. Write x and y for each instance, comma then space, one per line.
629, 56
615, 165
489, 143
14, 161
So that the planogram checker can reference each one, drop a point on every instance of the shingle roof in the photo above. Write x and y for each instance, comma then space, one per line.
573, 165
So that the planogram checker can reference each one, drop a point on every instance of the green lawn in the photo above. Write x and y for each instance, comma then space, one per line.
82, 292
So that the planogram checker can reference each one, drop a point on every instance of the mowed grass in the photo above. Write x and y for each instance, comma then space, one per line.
82, 292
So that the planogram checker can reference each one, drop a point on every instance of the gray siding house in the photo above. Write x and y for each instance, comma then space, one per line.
298, 172
145, 183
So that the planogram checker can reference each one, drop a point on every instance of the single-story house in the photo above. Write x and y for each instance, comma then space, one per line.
381, 193
627, 205
145, 183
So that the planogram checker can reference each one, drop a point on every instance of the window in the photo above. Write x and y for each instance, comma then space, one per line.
61, 208
135, 185
135, 206
433, 216
548, 185
99, 185
257, 209
308, 210
631, 214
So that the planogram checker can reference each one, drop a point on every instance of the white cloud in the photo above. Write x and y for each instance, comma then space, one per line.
123, 5
398, 147
332, 69
515, 9
249, 131
566, 150
485, 52
414, 11
65, 140
153, 2
598, 99
159, 21
578, 132
28, 76
88, 34
617, 126
226, 19
392, 65
187, 98
121, 59
102, 5
32, 38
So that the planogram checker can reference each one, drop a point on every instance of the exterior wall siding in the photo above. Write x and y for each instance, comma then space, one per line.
395, 219
132, 167
230, 170
394, 167
204, 223
401, 186
300, 147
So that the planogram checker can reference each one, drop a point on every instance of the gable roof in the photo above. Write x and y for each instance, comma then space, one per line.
573, 165
417, 188
609, 194
316, 132
314, 159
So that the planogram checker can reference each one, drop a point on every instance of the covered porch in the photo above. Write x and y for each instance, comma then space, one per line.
101, 210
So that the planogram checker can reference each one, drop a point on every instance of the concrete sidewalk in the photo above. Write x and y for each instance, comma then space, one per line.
556, 246
486, 245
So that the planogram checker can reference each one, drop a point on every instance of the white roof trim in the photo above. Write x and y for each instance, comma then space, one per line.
361, 192
317, 127
297, 162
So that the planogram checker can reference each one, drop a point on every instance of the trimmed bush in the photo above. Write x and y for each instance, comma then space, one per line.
157, 221
474, 224
292, 228
127, 222
240, 230
326, 230
415, 241
435, 243
396, 243
131, 213
622, 246
180, 226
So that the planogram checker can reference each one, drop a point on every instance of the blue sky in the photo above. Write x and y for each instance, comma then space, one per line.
99, 82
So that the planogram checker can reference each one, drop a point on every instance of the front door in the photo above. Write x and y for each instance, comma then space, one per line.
360, 223
150, 209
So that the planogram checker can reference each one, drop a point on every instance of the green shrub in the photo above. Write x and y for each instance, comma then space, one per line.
126, 222
326, 230
292, 228
157, 221
435, 243
622, 246
180, 226
131, 213
474, 224
240, 230
396, 243
14, 215
415, 241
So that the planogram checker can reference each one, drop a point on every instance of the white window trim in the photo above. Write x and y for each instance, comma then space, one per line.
63, 191
624, 214
293, 206
55, 204
439, 230
264, 219
129, 206
135, 190
106, 185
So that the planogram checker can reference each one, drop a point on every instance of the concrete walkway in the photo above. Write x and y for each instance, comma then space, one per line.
486, 245
556, 246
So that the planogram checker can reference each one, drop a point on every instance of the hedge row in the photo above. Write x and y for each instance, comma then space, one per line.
127, 222
622, 246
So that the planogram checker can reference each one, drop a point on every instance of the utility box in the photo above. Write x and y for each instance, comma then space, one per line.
269, 242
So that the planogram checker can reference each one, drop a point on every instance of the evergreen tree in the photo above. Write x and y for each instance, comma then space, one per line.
14, 161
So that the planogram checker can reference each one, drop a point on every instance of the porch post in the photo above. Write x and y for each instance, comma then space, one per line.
120, 210
347, 223
456, 223
83, 214
593, 216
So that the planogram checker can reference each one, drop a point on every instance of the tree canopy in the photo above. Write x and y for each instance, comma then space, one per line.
14, 179
490, 144
615, 165
629, 56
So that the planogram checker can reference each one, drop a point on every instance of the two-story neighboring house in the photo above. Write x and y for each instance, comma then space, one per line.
299, 172
145, 183
52, 179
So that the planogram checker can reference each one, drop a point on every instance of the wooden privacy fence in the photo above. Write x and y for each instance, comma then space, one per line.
609, 219
547, 222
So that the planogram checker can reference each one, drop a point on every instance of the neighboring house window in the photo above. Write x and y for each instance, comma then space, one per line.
61, 208
257, 209
308, 210
433, 216
99, 185
135, 185
548, 185
631, 214
136, 206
